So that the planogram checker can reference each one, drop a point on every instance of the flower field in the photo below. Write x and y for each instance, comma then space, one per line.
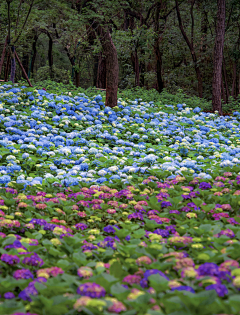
131, 210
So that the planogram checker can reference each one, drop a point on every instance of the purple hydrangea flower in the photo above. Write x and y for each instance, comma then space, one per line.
10, 259
23, 274
165, 204
220, 289
81, 226
208, 269
163, 233
9, 295
110, 228
135, 215
183, 288
150, 272
30, 290
33, 260
205, 186
174, 211
92, 290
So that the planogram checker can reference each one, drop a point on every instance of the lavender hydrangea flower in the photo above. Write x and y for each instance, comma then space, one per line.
92, 290
220, 289
10, 259
23, 274
208, 269
33, 260
9, 295
205, 186
110, 228
183, 288
81, 226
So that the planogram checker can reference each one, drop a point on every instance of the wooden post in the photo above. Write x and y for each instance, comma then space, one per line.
23, 70
3, 55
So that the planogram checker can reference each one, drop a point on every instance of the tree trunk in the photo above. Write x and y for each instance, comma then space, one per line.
136, 68
95, 70
192, 50
25, 63
142, 73
101, 74
34, 49
112, 70
204, 29
239, 83
77, 77
233, 94
225, 79
223, 92
7, 68
158, 54
13, 64
50, 56
218, 57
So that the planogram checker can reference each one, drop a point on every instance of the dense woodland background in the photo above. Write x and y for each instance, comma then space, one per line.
160, 43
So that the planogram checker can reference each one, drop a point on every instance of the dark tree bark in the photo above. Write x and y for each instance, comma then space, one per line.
191, 46
77, 78
157, 51
223, 92
25, 63
7, 68
112, 70
13, 65
95, 70
142, 73
91, 40
34, 49
135, 63
50, 55
218, 57
239, 83
225, 80
233, 94
204, 30
101, 73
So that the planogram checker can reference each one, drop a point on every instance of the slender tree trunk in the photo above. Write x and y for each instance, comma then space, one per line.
95, 70
191, 48
13, 64
223, 92
218, 57
204, 30
25, 63
233, 94
34, 49
142, 73
239, 83
112, 69
77, 78
101, 74
50, 56
7, 68
158, 54
225, 79
136, 66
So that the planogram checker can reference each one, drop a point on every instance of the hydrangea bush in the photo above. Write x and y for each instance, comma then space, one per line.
131, 210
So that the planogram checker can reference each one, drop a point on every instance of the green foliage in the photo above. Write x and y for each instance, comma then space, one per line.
58, 75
